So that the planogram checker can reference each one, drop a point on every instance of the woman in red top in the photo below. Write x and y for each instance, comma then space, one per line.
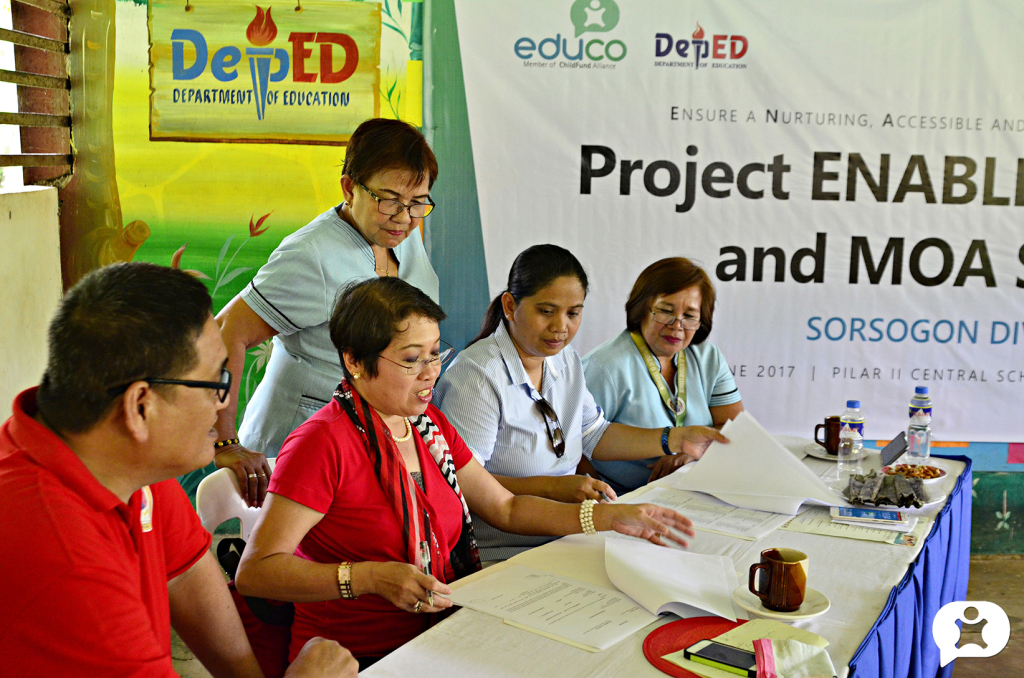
374, 491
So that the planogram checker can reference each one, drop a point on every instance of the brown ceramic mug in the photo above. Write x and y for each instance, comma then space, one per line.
783, 582
831, 441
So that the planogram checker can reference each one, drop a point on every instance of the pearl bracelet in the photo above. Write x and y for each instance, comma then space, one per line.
587, 516
345, 581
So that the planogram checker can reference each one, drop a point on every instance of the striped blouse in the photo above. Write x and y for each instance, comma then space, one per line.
488, 397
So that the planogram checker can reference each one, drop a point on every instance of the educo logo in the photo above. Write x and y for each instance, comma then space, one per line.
995, 632
587, 16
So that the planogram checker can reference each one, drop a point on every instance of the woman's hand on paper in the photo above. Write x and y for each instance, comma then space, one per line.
575, 489
691, 441
647, 521
667, 465
401, 584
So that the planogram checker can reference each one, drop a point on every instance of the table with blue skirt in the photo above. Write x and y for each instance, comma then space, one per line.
883, 597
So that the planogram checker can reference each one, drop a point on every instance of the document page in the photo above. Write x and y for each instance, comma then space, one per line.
754, 471
666, 579
714, 515
567, 610
818, 520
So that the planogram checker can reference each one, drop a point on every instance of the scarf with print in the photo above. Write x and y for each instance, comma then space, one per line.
407, 499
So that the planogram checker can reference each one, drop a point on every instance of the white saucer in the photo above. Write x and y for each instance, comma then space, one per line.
818, 452
815, 603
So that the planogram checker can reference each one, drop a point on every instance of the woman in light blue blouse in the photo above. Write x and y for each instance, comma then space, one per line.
518, 397
661, 370
386, 180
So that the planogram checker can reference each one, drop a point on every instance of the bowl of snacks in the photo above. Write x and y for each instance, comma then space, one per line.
928, 474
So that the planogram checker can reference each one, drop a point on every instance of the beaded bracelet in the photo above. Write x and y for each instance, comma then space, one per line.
345, 581
224, 443
587, 516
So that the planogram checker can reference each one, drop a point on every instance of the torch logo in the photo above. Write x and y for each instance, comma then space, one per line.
261, 32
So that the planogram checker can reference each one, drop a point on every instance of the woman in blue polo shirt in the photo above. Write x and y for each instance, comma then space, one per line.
518, 397
661, 370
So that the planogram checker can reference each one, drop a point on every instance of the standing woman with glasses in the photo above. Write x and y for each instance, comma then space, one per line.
661, 370
386, 180
518, 396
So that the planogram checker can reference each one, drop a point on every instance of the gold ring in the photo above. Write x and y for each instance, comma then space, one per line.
252, 475
418, 607
261, 475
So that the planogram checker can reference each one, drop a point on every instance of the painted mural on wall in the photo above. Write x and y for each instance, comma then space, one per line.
219, 209
229, 71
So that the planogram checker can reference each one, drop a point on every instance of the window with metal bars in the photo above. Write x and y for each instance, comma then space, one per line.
39, 36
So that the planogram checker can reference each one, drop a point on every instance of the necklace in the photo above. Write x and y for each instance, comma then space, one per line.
387, 265
408, 432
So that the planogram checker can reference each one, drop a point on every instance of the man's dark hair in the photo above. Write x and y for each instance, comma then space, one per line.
119, 324
380, 144
367, 316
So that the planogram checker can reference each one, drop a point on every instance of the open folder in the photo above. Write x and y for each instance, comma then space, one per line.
754, 471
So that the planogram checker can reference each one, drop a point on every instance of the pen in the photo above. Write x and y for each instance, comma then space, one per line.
604, 497
425, 565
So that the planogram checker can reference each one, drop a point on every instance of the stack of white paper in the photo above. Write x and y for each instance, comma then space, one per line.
670, 580
754, 471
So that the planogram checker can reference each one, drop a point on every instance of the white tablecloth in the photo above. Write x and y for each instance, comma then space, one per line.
857, 576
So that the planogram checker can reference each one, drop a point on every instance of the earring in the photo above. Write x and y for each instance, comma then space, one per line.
356, 375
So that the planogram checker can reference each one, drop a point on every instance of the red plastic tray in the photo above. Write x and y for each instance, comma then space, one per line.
681, 634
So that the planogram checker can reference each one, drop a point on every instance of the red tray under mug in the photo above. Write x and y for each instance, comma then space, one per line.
682, 634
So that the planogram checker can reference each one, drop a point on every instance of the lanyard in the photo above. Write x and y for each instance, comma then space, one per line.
675, 405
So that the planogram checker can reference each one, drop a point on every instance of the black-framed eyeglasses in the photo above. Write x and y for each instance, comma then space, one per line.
664, 318
392, 208
222, 387
419, 366
554, 428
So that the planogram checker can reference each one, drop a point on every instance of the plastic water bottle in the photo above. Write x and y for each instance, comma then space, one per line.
851, 440
919, 432
848, 459
852, 421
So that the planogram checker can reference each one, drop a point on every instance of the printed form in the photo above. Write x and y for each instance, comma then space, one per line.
714, 515
570, 611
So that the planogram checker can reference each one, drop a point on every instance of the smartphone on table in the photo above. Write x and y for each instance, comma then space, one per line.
723, 657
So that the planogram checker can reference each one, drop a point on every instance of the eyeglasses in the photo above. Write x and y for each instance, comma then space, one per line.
419, 366
553, 427
222, 387
686, 321
393, 208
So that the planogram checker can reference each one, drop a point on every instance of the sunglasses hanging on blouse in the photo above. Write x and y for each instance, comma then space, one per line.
553, 427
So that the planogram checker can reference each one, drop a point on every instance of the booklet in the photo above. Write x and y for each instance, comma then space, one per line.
664, 579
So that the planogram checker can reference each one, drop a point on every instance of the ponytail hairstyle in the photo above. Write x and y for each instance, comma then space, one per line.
534, 269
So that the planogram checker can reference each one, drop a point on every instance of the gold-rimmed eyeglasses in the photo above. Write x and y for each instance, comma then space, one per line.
393, 208
418, 366
687, 322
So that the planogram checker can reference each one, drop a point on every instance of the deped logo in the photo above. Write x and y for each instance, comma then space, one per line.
587, 16
995, 632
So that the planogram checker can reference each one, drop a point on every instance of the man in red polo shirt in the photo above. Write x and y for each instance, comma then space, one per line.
100, 550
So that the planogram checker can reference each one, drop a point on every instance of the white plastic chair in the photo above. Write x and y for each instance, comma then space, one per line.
218, 498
